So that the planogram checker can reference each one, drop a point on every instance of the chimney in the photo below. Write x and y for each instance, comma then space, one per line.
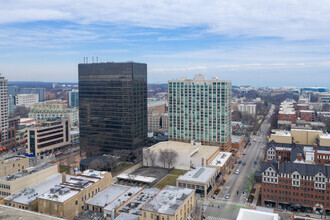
63, 177
299, 156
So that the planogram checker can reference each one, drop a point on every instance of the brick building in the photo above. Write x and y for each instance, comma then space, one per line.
307, 115
295, 186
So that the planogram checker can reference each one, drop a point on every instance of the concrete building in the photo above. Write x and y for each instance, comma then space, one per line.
112, 107
247, 108
188, 155
74, 98
48, 137
39, 91
67, 199
171, 203
105, 197
54, 109
14, 164
20, 180
200, 110
295, 186
27, 198
74, 137
247, 214
324, 140
7, 133
299, 137
27, 100
200, 179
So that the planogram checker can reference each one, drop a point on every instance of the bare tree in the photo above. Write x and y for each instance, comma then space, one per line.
146, 156
153, 158
171, 157
162, 157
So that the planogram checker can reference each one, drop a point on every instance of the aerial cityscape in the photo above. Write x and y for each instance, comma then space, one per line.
165, 110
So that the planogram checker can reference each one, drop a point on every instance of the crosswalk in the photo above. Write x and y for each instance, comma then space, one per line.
215, 218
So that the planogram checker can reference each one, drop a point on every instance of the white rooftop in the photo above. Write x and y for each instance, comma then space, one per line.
200, 175
123, 198
73, 132
107, 195
220, 159
29, 194
73, 186
126, 216
138, 178
250, 214
325, 136
307, 111
168, 200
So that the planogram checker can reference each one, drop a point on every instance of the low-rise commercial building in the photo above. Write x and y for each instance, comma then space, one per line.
188, 155
237, 142
48, 137
14, 164
298, 136
67, 199
200, 179
27, 198
27, 100
171, 203
32, 175
256, 215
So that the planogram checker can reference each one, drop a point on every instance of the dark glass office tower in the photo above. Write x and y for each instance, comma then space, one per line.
112, 106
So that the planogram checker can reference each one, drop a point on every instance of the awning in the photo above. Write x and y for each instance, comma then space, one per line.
295, 205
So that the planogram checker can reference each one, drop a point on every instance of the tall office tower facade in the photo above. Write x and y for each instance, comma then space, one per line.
112, 106
7, 134
39, 91
74, 98
200, 111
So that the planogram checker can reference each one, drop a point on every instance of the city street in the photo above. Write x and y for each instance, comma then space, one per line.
228, 208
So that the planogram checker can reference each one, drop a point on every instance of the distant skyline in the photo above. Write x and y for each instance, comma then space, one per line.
259, 43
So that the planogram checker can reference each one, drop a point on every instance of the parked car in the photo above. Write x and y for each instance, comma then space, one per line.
243, 163
244, 153
227, 196
255, 162
239, 162
237, 171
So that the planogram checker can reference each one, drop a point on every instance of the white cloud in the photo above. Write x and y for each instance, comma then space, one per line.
289, 19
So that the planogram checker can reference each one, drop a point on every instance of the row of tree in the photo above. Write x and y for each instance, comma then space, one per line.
166, 157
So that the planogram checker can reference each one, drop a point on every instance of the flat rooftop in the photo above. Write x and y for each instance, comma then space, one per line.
236, 138
220, 159
138, 178
30, 170
198, 175
131, 192
13, 158
73, 186
197, 151
282, 133
135, 205
107, 195
325, 136
168, 200
12, 213
126, 216
245, 214
29, 194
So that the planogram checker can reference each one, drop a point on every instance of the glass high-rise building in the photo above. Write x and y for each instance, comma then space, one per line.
12, 91
112, 106
39, 91
74, 98
200, 111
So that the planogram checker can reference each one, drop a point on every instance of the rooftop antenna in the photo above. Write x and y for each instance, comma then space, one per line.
92, 59
86, 59
97, 59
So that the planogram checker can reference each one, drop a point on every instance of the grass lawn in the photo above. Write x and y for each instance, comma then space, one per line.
65, 168
178, 172
168, 180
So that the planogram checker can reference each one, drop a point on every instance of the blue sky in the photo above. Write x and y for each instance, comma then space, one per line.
260, 43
